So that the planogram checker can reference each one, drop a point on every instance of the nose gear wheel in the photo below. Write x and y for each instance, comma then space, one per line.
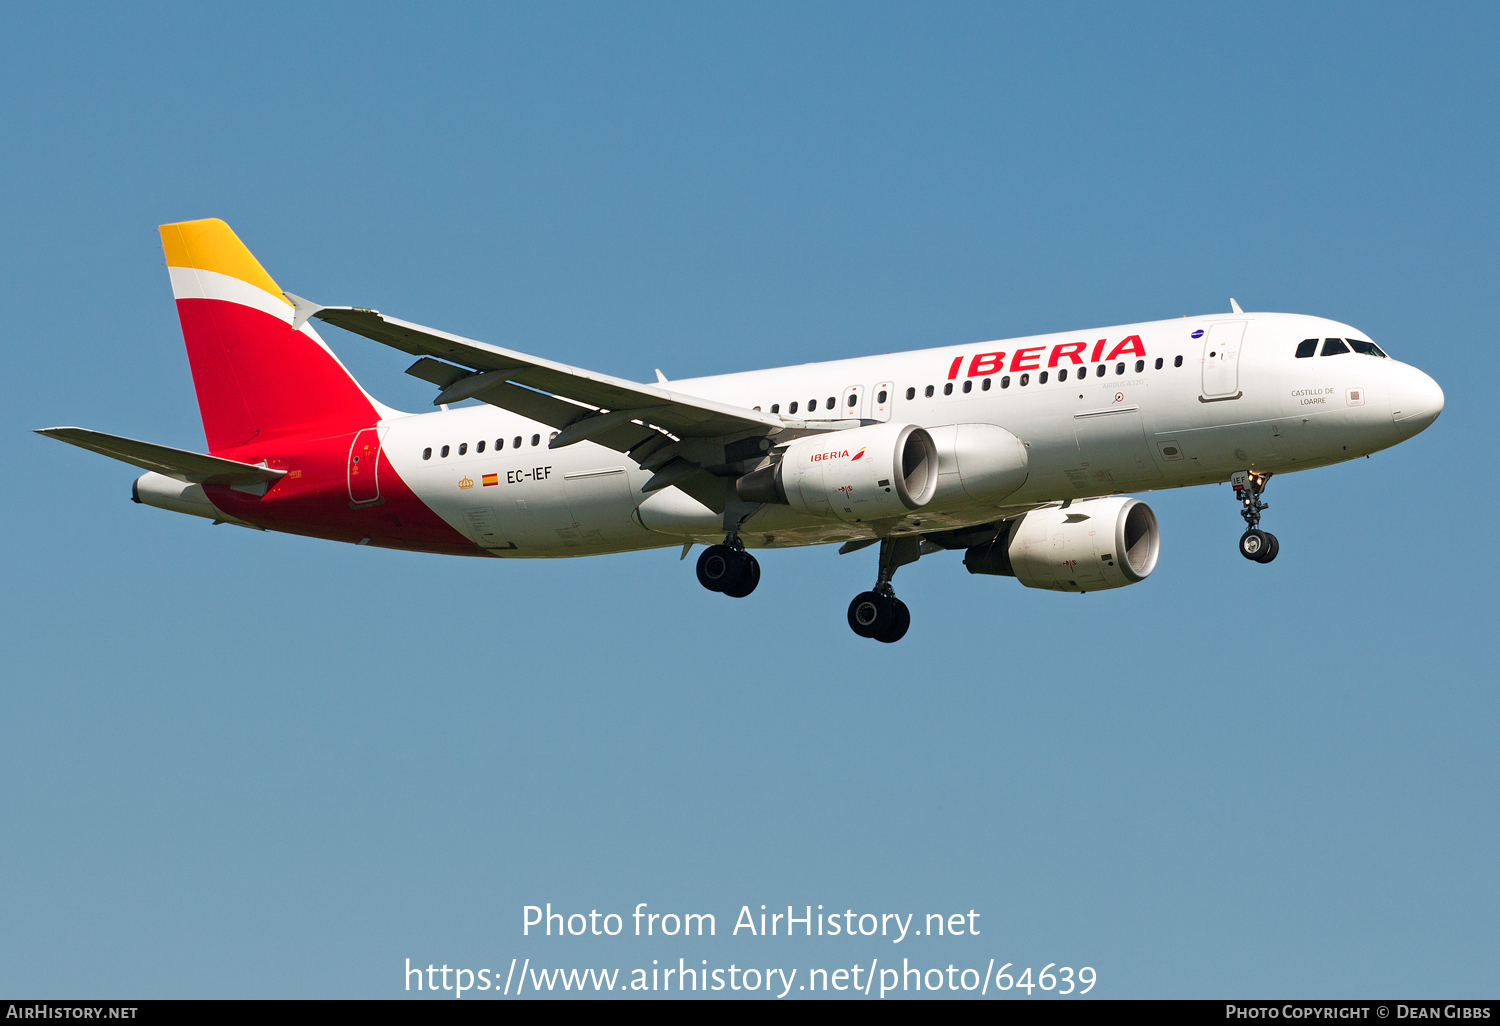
1255, 544
1260, 546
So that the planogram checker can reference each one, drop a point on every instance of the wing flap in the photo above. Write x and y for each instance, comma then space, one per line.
163, 459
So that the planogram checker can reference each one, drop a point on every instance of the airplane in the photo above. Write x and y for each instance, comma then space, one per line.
1015, 452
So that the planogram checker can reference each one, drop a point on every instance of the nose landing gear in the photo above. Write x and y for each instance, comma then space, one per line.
878, 613
1260, 546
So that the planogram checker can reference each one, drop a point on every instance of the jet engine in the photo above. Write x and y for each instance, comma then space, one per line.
1089, 545
867, 473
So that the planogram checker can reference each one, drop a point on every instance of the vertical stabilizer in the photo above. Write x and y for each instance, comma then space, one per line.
256, 376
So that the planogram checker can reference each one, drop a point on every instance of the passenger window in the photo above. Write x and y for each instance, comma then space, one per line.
911, 393
1120, 367
854, 398
792, 408
536, 439
463, 448
443, 452
830, 404
757, 409
427, 453
812, 404
1307, 347
1041, 379
1334, 347
1025, 380
880, 398
1062, 375
1099, 373
969, 385
1140, 365
1177, 362
986, 386
929, 391
1158, 363
1005, 381
552, 436
948, 388
1368, 348
499, 443
775, 407
517, 443
479, 445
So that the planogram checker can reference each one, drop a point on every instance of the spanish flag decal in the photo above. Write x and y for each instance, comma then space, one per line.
491, 479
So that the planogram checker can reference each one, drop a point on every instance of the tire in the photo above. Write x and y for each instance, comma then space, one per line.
870, 614
1269, 553
749, 577
900, 623
1254, 544
719, 568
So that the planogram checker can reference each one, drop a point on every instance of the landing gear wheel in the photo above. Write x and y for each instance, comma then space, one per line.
1261, 546
1254, 544
749, 577
720, 568
871, 614
900, 623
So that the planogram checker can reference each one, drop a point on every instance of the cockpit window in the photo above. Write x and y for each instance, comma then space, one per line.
1368, 348
1334, 346
1307, 347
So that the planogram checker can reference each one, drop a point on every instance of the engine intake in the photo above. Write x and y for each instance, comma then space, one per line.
867, 473
1092, 545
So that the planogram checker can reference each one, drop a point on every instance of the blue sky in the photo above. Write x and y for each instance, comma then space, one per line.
238, 764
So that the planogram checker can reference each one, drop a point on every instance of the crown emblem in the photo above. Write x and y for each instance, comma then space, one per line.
466, 482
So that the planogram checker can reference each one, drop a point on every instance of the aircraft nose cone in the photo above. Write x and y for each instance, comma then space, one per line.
1416, 401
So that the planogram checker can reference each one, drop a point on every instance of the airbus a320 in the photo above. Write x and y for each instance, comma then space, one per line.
1015, 452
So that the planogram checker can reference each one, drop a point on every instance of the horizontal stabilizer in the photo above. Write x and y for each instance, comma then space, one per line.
163, 459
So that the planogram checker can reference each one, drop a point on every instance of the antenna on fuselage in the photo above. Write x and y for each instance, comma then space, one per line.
1234, 306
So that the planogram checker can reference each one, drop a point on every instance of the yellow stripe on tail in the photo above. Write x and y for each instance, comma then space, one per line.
211, 245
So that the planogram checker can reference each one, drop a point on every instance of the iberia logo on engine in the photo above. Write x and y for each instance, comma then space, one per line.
819, 457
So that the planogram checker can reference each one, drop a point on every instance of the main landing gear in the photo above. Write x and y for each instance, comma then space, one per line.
878, 613
729, 569
1261, 546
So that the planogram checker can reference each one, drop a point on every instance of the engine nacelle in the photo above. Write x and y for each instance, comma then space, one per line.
867, 473
1091, 545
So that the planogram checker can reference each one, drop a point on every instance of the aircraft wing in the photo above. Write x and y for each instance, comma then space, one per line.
596, 406
175, 463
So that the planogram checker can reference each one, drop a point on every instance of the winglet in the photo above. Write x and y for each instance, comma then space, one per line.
302, 309
1234, 306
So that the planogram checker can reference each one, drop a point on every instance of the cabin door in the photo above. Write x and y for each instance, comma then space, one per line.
364, 467
1221, 360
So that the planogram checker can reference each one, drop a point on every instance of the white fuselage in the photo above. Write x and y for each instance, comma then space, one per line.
1233, 398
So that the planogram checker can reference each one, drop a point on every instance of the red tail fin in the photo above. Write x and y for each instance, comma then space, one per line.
256, 377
